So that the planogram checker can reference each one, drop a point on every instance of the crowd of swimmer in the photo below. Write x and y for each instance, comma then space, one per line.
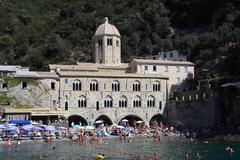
124, 133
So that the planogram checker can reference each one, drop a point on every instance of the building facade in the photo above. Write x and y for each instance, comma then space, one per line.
111, 90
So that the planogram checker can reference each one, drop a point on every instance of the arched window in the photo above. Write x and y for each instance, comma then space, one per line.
66, 106
115, 86
82, 102
123, 102
108, 102
151, 101
93, 85
136, 86
156, 86
77, 86
137, 102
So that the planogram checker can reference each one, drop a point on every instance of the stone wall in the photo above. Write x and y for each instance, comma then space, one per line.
34, 95
191, 112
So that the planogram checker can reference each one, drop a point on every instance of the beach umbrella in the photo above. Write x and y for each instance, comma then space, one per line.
77, 126
38, 128
62, 128
124, 120
48, 128
2, 126
28, 127
34, 123
139, 122
120, 127
99, 121
12, 128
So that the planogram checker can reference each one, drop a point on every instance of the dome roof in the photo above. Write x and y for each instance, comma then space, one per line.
106, 29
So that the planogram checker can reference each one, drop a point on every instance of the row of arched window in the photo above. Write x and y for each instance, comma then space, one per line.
77, 86
108, 102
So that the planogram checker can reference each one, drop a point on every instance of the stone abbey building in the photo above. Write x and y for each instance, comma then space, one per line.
106, 89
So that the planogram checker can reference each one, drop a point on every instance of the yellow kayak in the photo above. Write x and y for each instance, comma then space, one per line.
99, 157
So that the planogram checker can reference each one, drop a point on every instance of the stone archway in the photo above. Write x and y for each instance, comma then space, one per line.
105, 119
132, 119
76, 119
157, 119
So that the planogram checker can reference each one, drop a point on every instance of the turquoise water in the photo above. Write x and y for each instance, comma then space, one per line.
119, 150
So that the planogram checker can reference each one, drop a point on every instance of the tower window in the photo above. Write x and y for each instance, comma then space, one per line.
99, 42
109, 41
117, 43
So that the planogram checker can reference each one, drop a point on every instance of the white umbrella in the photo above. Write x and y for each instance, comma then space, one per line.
89, 127
35, 123
99, 121
124, 120
139, 122
11, 124
120, 127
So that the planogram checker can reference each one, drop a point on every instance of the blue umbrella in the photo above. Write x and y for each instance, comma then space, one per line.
12, 128
48, 128
28, 127
77, 126
2, 126
38, 128
62, 128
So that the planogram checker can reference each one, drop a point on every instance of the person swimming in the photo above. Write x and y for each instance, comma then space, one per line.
100, 156
147, 157
155, 156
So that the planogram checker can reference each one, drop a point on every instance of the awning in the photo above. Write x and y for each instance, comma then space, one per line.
19, 122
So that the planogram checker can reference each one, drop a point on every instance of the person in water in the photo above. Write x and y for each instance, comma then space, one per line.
100, 156
155, 156
147, 157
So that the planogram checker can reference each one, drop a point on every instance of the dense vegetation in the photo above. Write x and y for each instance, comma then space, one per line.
38, 32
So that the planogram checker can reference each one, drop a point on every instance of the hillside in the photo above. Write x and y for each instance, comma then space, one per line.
36, 33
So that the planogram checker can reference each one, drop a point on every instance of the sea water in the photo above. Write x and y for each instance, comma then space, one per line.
113, 149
